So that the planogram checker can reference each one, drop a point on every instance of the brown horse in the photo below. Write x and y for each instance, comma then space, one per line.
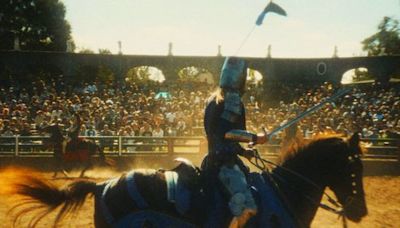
143, 198
77, 151
82, 151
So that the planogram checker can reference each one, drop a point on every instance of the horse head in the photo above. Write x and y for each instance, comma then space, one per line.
325, 161
346, 181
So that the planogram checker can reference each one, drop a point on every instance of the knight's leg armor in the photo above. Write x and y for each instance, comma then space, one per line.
235, 182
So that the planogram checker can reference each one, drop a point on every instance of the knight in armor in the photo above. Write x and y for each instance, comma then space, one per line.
225, 127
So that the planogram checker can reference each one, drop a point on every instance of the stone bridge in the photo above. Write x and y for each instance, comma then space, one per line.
314, 70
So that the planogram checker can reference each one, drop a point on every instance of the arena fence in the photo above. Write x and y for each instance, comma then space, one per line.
40, 146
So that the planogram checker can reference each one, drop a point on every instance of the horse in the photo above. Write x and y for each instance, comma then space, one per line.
79, 150
287, 196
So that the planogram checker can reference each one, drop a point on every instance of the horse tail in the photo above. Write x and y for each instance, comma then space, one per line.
42, 195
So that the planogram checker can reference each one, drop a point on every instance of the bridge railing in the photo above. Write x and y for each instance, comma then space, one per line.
20, 146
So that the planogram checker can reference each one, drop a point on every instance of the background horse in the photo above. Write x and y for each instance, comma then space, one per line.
143, 197
76, 151
82, 151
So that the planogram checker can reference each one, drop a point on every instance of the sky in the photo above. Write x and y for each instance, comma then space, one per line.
312, 28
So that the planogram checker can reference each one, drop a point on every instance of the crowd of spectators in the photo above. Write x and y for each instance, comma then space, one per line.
371, 109
149, 108
136, 109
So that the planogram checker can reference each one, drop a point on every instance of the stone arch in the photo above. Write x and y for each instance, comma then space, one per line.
362, 71
211, 65
197, 74
254, 76
143, 73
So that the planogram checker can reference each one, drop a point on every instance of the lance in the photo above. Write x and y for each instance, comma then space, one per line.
302, 115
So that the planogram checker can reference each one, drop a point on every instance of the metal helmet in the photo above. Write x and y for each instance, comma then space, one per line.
233, 74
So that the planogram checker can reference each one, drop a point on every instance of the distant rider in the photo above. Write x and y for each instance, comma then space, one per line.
57, 141
72, 143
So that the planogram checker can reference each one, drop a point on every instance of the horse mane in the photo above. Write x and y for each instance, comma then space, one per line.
306, 145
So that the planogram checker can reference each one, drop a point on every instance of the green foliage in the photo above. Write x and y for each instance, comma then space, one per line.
141, 73
253, 77
104, 51
189, 73
105, 74
386, 41
88, 73
361, 75
39, 25
86, 51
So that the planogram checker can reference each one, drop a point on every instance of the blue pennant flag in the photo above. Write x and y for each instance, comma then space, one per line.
273, 8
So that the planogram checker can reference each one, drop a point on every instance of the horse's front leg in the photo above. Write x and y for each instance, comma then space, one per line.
60, 168
58, 156
87, 166
103, 159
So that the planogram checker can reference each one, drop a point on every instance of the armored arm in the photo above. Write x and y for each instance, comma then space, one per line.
240, 136
245, 136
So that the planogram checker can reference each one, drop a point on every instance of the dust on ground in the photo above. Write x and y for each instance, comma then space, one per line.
382, 196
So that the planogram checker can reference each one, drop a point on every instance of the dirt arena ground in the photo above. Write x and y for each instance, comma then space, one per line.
382, 193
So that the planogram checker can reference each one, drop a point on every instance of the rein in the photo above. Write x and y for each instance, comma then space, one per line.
339, 210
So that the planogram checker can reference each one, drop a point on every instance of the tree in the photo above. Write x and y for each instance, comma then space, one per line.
361, 74
104, 51
91, 73
105, 74
189, 73
86, 51
386, 41
37, 24
141, 73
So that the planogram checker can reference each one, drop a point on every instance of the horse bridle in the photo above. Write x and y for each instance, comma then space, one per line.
340, 209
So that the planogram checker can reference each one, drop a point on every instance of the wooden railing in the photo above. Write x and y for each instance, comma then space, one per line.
20, 146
